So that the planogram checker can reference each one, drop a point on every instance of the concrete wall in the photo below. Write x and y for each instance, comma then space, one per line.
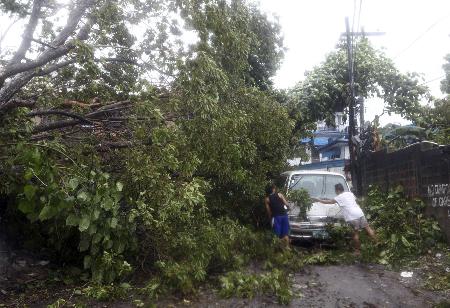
422, 170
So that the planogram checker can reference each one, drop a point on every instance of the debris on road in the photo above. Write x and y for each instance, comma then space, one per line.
406, 274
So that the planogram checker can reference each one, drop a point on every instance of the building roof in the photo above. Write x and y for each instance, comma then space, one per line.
324, 138
333, 143
315, 172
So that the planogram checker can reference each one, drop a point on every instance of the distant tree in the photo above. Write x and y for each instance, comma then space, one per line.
436, 119
395, 136
325, 89
445, 83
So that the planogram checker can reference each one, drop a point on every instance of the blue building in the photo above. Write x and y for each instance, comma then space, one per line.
328, 149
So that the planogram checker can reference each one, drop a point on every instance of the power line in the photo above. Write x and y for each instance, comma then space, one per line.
434, 79
359, 15
354, 14
355, 45
421, 35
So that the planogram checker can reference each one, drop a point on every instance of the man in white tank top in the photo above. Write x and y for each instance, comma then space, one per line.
352, 213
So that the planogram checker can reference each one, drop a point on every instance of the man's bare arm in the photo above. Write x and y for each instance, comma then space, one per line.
283, 198
324, 201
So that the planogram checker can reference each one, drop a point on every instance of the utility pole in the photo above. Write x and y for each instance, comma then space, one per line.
354, 168
351, 122
361, 113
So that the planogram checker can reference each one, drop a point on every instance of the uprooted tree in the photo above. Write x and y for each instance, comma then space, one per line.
123, 143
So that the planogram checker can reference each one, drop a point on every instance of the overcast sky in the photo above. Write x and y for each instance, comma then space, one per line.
417, 36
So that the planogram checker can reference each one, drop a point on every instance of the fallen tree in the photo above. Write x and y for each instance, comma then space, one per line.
111, 170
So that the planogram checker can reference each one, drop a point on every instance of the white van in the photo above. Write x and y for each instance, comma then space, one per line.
319, 184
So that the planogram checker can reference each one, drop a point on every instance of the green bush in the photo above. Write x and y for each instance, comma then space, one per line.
402, 228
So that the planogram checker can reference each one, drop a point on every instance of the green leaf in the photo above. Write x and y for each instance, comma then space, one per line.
73, 183
84, 224
83, 196
114, 222
92, 229
394, 238
28, 175
25, 206
29, 191
405, 242
46, 213
72, 220
97, 238
119, 186
107, 203
96, 214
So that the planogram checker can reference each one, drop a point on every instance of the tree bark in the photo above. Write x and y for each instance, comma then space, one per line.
21, 73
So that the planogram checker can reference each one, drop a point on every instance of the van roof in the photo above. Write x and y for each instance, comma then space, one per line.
288, 173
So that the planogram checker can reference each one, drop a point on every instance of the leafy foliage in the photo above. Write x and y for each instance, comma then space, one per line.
395, 136
175, 188
325, 89
445, 84
302, 200
107, 292
436, 121
403, 230
248, 285
78, 200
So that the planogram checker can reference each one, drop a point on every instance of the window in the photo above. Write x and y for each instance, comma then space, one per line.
311, 182
330, 181
317, 185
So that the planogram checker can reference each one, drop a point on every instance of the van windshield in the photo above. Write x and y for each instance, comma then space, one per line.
317, 185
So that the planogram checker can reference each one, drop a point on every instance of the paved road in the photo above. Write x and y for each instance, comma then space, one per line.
336, 286
359, 286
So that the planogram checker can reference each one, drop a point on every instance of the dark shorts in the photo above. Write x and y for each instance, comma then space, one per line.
280, 225
358, 224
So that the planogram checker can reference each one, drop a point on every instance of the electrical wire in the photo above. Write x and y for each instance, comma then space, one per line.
357, 28
355, 41
434, 79
354, 14
359, 15
421, 35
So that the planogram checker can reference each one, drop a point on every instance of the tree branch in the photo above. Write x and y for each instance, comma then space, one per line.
60, 112
77, 119
72, 22
15, 103
28, 33
54, 67
42, 43
55, 125
26, 71
59, 48
114, 105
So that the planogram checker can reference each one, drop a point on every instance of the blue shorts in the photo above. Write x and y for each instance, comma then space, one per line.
280, 225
